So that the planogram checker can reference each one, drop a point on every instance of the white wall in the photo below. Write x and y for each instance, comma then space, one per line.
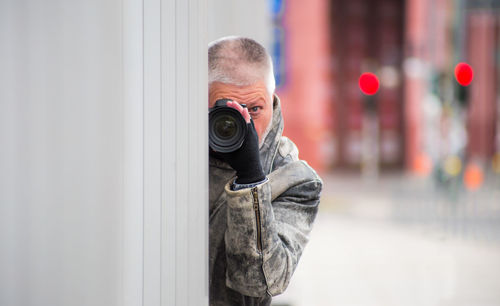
240, 17
103, 183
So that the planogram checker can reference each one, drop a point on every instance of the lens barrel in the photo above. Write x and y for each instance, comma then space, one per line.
227, 128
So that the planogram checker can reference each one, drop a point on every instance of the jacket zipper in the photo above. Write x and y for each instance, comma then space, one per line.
256, 208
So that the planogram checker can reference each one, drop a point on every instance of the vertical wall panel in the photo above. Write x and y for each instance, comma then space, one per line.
197, 268
169, 192
152, 153
184, 147
133, 152
175, 156
103, 153
62, 134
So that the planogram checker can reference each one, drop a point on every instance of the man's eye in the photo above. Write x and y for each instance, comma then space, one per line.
254, 109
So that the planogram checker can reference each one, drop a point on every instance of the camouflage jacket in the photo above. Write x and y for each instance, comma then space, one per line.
258, 234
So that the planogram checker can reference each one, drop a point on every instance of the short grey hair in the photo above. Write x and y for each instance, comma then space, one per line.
239, 61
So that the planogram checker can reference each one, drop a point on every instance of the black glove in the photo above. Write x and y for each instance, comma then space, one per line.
245, 160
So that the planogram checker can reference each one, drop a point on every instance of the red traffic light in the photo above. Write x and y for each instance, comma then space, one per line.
464, 74
368, 83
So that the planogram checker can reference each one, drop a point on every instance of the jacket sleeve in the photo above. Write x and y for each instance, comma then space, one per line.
268, 228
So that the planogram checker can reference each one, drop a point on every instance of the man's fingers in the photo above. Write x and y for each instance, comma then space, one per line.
236, 105
243, 110
246, 115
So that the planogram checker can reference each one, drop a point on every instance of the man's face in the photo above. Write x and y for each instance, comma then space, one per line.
255, 96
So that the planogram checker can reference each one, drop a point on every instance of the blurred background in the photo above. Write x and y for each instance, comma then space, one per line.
410, 213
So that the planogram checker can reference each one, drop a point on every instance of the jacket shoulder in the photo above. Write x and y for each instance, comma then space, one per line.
289, 171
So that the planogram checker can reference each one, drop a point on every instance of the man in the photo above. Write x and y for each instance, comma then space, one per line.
263, 199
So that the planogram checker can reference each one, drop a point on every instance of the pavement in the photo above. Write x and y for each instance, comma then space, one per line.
403, 241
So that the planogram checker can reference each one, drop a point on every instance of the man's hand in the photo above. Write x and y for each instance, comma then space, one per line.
243, 110
245, 160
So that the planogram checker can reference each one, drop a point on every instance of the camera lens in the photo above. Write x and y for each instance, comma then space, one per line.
225, 127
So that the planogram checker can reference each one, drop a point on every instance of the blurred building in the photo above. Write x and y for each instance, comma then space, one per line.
422, 114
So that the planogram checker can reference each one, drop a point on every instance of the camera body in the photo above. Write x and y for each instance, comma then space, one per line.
226, 126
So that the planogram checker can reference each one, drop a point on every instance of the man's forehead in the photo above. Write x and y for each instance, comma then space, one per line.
258, 85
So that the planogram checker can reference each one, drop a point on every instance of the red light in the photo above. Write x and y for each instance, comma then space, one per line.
463, 74
368, 83
473, 177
